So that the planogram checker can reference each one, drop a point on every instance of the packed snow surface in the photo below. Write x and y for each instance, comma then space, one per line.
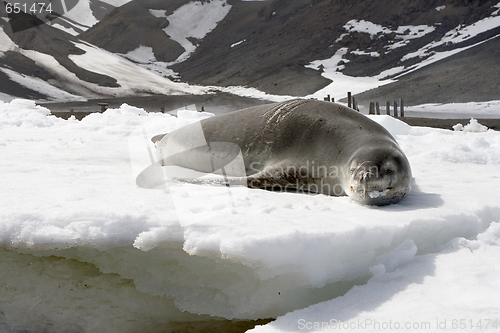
85, 249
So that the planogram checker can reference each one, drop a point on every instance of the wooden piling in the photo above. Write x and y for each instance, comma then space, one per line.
377, 108
388, 107
401, 107
354, 104
349, 99
372, 108
395, 109
104, 106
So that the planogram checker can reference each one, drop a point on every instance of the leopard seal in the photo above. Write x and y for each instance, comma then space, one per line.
306, 145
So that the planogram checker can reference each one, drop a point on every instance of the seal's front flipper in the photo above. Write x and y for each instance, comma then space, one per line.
152, 177
157, 138
212, 179
278, 178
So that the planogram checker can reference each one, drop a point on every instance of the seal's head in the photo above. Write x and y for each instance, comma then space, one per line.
378, 176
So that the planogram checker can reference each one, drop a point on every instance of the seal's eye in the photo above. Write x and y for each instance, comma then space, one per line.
390, 171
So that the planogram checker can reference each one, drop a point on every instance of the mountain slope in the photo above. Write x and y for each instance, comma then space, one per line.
288, 36
464, 77
277, 46
45, 62
120, 34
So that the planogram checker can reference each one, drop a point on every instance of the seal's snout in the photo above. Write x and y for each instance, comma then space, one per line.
364, 173
379, 183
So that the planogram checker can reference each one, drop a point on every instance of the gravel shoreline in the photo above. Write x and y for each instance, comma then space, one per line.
218, 103
449, 123
412, 121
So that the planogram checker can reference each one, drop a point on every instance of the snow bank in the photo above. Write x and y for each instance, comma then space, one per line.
454, 290
473, 126
85, 249
393, 125
25, 113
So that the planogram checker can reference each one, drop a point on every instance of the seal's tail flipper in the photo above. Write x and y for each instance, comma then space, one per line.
152, 177
157, 138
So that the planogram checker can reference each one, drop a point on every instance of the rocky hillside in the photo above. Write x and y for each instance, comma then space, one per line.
425, 51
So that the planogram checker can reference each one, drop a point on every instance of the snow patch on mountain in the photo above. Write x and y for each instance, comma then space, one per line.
82, 14
158, 12
69, 26
238, 43
437, 56
132, 78
332, 70
69, 30
366, 27
81, 17
6, 44
371, 54
496, 11
409, 32
457, 35
144, 57
39, 85
142, 54
405, 33
116, 3
194, 20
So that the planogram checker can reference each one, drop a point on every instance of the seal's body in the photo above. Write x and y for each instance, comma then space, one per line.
319, 147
